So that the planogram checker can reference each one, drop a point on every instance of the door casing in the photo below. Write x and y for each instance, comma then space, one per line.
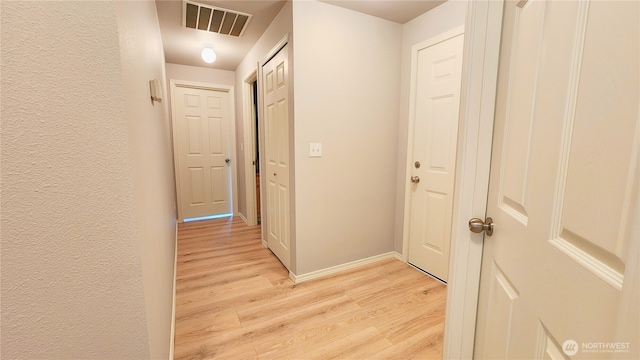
261, 139
249, 136
409, 192
174, 84
483, 28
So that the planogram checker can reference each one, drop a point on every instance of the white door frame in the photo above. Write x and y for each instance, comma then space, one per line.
232, 141
477, 104
249, 136
408, 192
263, 165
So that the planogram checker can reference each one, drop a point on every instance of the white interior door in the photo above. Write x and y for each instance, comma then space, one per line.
437, 67
276, 115
203, 152
560, 274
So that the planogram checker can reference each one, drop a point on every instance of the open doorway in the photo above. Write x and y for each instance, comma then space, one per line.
256, 147
252, 213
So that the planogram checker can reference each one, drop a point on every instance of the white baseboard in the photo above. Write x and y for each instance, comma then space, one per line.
173, 311
398, 256
243, 218
265, 244
335, 269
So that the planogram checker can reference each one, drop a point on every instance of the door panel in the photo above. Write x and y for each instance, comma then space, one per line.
440, 133
434, 224
202, 136
197, 185
194, 139
216, 133
283, 216
521, 95
276, 110
218, 190
505, 296
559, 275
436, 96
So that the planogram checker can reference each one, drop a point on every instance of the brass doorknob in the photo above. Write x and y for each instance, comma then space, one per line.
415, 179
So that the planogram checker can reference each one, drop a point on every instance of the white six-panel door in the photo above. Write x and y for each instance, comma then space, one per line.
560, 274
276, 114
437, 66
202, 141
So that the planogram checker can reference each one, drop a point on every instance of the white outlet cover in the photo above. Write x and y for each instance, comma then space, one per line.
315, 149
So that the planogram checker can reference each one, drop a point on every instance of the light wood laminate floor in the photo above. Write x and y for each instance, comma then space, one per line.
234, 300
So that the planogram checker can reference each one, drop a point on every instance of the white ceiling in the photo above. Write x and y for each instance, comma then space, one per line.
183, 45
400, 11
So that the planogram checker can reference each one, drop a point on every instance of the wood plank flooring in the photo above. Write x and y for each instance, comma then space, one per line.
234, 300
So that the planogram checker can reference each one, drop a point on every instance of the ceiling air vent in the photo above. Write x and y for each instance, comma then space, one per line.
214, 19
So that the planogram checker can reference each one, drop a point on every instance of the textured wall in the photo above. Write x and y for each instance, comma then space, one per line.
347, 97
151, 154
72, 279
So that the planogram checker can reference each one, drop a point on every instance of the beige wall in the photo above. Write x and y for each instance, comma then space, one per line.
87, 200
352, 94
437, 21
347, 93
150, 150
200, 74
281, 26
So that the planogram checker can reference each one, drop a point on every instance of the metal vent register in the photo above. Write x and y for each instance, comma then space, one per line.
213, 19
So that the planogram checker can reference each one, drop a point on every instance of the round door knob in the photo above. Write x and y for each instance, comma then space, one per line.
415, 179
477, 226
227, 160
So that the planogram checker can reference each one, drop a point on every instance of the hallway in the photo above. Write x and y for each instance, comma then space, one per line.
235, 300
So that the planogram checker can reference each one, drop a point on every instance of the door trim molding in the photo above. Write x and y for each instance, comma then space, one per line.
172, 338
249, 135
479, 83
274, 50
263, 214
174, 84
411, 125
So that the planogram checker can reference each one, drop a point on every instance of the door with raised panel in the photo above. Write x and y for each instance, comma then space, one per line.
203, 152
560, 274
276, 115
435, 99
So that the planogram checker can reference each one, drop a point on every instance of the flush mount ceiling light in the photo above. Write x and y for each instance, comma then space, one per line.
208, 55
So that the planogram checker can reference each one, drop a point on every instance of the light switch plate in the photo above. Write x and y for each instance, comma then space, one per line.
315, 150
